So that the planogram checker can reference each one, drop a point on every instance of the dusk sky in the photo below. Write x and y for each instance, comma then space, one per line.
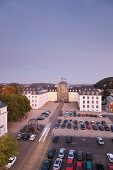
45, 40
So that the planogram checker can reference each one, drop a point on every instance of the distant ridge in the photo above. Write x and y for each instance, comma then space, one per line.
105, 83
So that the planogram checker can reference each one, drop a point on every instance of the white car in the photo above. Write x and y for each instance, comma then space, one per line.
61, 153
100, 116
57, 164
100, 141
11, 161
32, 137
71, 154
110, 157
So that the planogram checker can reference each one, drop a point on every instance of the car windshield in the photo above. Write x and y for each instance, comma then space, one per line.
10, 160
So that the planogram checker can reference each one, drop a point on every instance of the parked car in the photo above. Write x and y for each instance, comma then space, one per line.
101, 128
95, 127
63, 125
82, 126
59, 120
110, 167
79, 165
75, 127
56, 125
89, 165
32, 137
107, 128
88, 156
19, 136
57, 164
88, 126
55, 139
68, 139
51, 152
112, 128
110, 157
80, 155
46, 164
26, 136
75, 122
69, 165
71, 154
69, 125
61, 153
41, 117
99, 166
100, 141
11, 161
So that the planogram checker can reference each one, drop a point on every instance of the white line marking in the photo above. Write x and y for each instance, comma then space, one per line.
43, 134
46, 135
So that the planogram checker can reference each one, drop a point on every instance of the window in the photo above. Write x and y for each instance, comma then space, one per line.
92, 101
35, 96
83, 97
87, 97
29, 96
88, 101
92, 106
97, 97
32, 100
92, 97
83, 106
35, 100
83, 101
96, 106
87, 106
32, 104
96, 102
35, 104
32, 96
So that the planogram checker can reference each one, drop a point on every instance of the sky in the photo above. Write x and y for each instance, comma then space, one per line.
46, 40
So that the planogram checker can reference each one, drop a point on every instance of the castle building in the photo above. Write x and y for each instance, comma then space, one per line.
88, 98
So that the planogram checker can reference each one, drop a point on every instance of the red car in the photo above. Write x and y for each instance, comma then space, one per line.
110, 166
79, 165
69, 165
88, 126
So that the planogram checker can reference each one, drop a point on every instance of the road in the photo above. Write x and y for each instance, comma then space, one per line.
32, 153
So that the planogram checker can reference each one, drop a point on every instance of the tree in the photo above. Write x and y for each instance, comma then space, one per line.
8, 148
18, 105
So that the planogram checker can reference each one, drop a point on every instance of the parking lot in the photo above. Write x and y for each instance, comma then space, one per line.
82, 140
86, 144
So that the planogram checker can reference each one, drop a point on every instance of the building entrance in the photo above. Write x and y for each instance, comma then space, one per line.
63, 92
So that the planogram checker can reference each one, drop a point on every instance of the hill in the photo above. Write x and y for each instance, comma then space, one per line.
105, 83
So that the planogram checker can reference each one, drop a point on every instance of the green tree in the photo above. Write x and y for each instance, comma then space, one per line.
18, 105
8, 148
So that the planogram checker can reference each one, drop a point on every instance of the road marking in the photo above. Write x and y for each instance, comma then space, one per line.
46, 135
43, 134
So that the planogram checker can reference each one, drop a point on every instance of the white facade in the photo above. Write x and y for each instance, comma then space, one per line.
52, 96
37, 101
90, 103
73, 96
3, 119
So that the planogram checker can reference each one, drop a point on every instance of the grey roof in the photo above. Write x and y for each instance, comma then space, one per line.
109, 99
88, 91
35, 90
2, 104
